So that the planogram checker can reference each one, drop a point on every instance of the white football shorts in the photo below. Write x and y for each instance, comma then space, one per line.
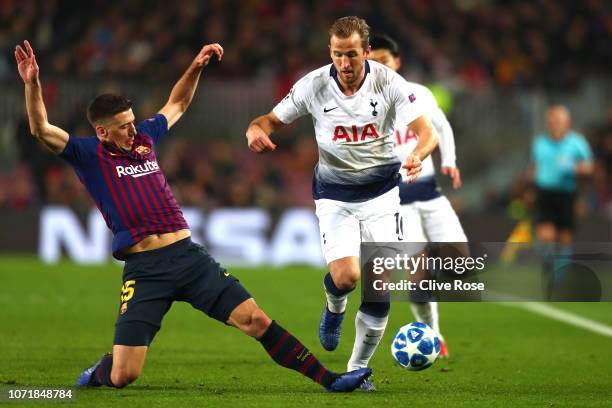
433, 221
344, 226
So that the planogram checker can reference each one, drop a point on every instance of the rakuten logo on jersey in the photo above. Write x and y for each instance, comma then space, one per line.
355, 134
138, 171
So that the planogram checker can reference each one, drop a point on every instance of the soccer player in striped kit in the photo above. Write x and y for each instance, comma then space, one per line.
353, 103
119, 168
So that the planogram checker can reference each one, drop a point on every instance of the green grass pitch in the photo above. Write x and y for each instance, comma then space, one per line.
56, 320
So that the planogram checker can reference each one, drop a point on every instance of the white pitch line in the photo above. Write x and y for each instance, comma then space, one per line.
565, 317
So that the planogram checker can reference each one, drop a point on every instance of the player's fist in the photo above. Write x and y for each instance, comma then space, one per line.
413, 167
206, 53
258, 141
454, 174
26, 63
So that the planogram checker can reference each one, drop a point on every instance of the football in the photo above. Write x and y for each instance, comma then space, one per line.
416, 346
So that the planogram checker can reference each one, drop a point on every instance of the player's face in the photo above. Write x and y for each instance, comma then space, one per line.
348, 57
119, 131
385, 57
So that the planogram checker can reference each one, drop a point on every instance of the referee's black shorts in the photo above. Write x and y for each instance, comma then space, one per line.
182, 271
556, 207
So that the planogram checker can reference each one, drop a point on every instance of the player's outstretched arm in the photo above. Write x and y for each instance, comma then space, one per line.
428, 140
51, 136
183, 90
259, 130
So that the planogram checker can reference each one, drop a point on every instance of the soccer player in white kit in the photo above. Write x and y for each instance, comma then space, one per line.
353, 103
428, 213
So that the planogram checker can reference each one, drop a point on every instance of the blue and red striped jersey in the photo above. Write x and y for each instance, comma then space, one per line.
129, 189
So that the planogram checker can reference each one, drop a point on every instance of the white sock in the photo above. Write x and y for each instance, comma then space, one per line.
368, 333
427, 313
336, 304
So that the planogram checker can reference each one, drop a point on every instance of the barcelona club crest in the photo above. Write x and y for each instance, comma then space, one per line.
142, 150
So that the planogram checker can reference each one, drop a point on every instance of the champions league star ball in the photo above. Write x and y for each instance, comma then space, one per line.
416, 346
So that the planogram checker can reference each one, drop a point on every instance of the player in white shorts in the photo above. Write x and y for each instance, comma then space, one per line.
353, 103
428, 213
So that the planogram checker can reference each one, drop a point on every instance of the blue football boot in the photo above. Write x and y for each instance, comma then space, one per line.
330, 329
84, 379
367, 386
348, 382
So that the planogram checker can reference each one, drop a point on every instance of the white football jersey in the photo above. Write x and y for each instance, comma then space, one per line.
406, 140
354, 133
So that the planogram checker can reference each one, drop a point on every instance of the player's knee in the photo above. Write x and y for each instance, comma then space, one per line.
345, 273
258, 323
347, 279
122, 377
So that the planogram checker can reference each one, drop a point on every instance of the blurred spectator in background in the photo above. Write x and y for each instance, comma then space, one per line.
559, 157
603, 162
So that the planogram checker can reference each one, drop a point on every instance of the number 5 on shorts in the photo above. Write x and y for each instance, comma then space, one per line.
127, 291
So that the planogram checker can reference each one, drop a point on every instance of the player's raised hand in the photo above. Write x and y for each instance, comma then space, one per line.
413, 167
26, 63
454, 174
258, 141
206, 53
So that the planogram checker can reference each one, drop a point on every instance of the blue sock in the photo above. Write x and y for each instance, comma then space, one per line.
376, 309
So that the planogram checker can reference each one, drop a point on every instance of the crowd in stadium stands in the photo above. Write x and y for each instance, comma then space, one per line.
602, 137
517, 43
475, 43
219, 173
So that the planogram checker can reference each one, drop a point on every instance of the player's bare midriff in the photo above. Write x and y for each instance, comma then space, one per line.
157, 241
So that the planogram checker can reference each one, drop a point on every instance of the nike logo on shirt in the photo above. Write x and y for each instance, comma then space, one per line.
325, 110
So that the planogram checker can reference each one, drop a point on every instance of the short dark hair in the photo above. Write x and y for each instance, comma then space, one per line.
384, 42
345, 27
106, 105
